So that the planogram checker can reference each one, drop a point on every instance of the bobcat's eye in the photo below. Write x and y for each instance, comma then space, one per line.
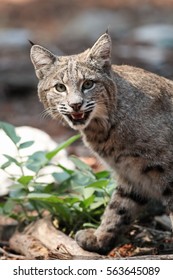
60, 87
88, 84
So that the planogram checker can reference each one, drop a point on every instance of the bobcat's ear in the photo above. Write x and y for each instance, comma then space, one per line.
42, 59
101, 51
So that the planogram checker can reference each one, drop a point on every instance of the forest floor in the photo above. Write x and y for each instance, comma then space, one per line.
148, 238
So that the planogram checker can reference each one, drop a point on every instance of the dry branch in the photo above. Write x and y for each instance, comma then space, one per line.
151, 257
8, 255
41, 240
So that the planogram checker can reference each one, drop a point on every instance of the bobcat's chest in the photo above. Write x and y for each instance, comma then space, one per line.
130, 167
138, 172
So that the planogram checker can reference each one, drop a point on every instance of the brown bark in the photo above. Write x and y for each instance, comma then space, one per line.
42, 240
28, 246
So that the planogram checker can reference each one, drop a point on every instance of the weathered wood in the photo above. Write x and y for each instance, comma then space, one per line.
54, 239
28, 246
7, 255
41, 240
151, 257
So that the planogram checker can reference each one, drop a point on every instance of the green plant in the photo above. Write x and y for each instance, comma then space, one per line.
76, 197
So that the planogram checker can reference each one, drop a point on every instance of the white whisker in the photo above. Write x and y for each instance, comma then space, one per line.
45, 113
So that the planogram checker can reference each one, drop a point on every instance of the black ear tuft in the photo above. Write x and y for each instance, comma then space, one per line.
107, 31
32, 44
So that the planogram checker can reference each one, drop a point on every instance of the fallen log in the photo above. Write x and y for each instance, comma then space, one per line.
28, 246
41, 240
41, 236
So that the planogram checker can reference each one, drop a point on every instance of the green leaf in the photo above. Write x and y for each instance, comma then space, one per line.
87, 192
80, 164
71, 200
45, 197
97, 204
5, 165
60, 176
12, 159
26, 144
24, 180
1, 211
10, 131
69, 171
80, 179
87, 202
99, 184
102, 174
43, 187
64, 213
62, 146
8, 206
36, 161
90, 225
17, 191
15, 186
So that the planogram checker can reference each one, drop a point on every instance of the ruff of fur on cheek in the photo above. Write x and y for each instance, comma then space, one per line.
100, 127
97, 129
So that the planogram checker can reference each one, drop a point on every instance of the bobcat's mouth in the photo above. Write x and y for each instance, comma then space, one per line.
79, 117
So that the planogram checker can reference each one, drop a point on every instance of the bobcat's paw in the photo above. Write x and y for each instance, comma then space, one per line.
88, 240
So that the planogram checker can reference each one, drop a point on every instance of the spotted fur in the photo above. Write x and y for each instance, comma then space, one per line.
125, 116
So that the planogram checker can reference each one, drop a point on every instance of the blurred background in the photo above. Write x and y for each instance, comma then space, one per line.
142, 34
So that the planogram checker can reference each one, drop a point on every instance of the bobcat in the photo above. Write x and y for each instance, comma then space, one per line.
125, 116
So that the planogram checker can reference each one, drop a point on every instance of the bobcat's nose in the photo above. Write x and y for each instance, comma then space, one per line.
76, 106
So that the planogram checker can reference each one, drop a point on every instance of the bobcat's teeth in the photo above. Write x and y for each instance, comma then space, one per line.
78, 116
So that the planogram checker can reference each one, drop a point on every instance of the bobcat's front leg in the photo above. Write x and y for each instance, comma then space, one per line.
123, 207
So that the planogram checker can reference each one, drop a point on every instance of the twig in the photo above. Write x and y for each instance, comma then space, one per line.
10, 255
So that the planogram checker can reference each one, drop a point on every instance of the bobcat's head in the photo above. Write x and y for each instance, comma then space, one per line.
75, 87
